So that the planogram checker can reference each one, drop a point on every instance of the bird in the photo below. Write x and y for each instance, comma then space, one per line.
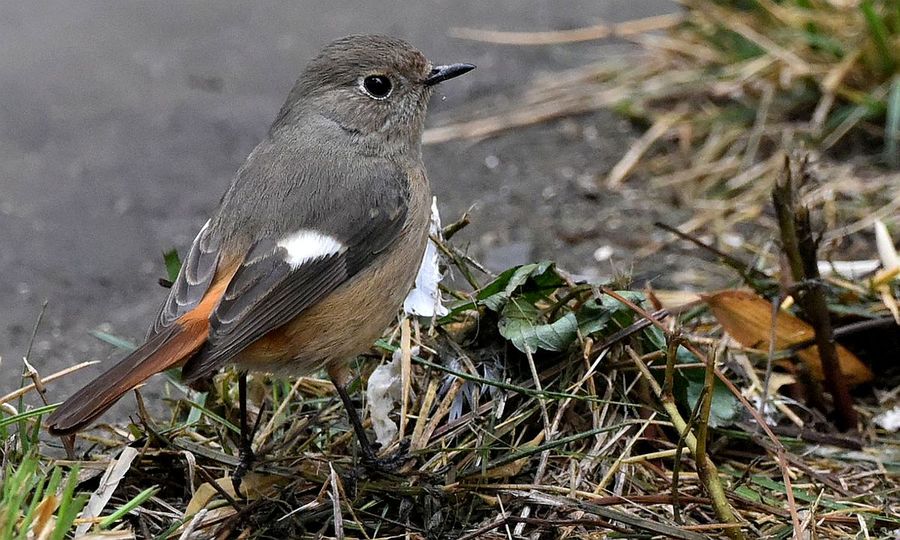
314, 244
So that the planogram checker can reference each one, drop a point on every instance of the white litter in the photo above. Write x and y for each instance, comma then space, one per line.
424, 300
384, 393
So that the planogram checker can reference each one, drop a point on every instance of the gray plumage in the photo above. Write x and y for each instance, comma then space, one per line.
341, 165
335, 161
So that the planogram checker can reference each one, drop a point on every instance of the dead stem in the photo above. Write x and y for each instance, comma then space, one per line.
800, 247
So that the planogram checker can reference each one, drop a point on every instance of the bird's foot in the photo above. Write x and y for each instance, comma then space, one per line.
388, 464
246, 459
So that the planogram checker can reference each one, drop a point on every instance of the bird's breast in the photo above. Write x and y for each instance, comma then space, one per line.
348, 321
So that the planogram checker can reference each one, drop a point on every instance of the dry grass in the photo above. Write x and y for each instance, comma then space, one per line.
723, 92
545, 408
594, 431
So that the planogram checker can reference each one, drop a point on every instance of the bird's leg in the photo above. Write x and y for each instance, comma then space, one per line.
368, 451
246, 457
340, 378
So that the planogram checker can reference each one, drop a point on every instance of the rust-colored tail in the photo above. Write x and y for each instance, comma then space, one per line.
167, 349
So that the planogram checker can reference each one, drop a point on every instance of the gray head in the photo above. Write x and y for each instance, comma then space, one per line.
370, 85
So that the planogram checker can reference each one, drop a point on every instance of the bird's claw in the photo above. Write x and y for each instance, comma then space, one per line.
246, 458
387, 464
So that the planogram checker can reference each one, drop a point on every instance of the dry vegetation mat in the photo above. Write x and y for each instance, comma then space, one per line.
536, 406
544, 407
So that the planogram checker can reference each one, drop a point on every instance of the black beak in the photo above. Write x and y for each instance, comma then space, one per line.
442, 73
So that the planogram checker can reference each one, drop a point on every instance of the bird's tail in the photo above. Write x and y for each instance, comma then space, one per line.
161, 352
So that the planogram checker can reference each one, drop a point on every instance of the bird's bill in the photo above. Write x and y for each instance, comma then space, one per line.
449, 71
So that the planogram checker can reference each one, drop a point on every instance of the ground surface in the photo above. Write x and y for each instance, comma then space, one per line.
121, 124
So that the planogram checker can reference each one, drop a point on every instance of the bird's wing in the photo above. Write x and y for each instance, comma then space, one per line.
193, 281
282, 276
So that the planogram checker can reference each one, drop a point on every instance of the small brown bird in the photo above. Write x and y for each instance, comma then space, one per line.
315, 243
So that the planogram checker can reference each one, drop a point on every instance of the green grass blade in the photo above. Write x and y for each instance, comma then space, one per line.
214, 416
115, 341
69, 507
27, 415
880, 35
892, 125
15, 489
138, 500
37, 493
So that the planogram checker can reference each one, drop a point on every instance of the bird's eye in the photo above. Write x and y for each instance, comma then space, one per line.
377, 86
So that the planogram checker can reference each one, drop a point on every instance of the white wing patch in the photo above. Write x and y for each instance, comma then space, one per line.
306, 245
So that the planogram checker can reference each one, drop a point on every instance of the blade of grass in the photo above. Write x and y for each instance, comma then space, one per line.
892, 125
138, 500
9, 420
879, 31
69, 507
115, 341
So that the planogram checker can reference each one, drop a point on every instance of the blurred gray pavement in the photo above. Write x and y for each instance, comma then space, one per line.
122, 122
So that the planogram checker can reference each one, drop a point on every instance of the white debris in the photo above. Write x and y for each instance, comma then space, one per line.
424, 299
886, 250
114, 474
733, 240
384, 392
603, 253
889, 420
850, 269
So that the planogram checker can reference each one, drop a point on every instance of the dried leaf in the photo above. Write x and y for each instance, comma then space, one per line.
674, 300
44, 522
724, 409
748, 319
253, 486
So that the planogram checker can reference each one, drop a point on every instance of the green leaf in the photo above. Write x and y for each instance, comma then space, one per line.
115, 341
521, 324
622, 315
657, 338
495, 294
593, 317
173, 264
724, 409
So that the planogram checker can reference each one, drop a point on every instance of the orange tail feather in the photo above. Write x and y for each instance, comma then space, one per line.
163, 351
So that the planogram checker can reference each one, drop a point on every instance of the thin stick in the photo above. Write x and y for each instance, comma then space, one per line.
780, 451
770, 358
800, 248
705, 466
623, 168
556, 37
50, 378
405, 374
335, 494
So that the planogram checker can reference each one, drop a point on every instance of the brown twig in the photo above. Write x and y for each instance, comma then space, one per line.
705, 466
458, 225
779, 450
747, 272
800, 247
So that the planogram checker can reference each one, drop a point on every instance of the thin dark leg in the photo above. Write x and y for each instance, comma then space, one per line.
364, 444
245, 451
